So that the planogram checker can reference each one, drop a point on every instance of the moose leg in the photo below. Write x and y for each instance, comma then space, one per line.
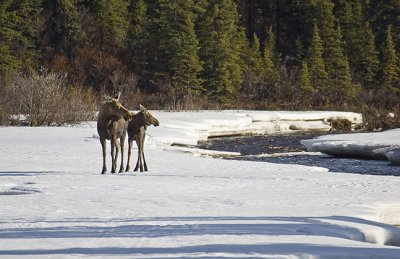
139, 159
114, 153
144, 160
129, 154
117, 148
122, 142
103, 146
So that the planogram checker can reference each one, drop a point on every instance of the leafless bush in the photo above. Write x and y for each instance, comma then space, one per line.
46, 99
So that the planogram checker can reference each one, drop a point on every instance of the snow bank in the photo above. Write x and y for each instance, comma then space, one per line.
186, 128
379, 145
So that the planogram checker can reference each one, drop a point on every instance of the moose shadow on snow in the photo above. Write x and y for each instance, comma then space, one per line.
199, 226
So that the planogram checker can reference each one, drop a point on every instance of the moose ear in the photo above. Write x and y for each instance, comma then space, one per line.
142, 108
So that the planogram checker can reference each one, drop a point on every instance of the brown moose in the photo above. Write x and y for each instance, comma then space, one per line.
137, 131
112, 123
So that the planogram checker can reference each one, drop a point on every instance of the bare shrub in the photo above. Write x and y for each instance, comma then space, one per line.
46, 99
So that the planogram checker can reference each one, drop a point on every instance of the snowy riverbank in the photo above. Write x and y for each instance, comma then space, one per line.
380, 145
55, 204
186, 128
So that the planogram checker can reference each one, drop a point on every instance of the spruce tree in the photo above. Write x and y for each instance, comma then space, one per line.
351, 22
113, 20
381, 14
220, 49
305, 80
182, 45
66, 31
271, 86
329, 35
299, 53
337, 66
137, 32
255, 57
342, 89
316, 65
172, 48
254, 69
359, 42
270, 70
17, 35
270, 44
305, 84
390, 64
369, 66
8, 61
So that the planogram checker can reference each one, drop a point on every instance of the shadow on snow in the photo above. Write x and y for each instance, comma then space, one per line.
200, 226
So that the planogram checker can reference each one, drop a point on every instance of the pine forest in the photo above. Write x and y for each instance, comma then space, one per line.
59, 57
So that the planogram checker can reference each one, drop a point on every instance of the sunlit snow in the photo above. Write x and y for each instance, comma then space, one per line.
55, 203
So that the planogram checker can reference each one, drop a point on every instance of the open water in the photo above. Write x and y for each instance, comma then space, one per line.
251, 146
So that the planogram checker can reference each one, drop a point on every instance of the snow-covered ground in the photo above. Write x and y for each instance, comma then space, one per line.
55, 203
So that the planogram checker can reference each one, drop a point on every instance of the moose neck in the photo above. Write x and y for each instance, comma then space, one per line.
105, 117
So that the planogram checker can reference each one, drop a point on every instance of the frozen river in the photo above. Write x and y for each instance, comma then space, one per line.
287, 149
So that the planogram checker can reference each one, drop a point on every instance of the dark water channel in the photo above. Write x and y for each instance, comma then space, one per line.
250, 146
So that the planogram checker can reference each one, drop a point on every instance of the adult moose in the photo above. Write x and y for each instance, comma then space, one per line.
137, 131
112, 123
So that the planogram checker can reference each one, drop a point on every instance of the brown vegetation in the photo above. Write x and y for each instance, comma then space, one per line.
45, 99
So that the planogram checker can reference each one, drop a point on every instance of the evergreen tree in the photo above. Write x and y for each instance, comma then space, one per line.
8, 61
271, 72
390, 64
351, 22
342, 88
305, 80
220, 49
137, 31
65, 31
296, 23
381, 14
369, 66
329, 36
270, 44
254, 69
271, 75
305, 85
183, 46
255, 57
337, 66
172, 48
113, 20
17, 34
316, 65
359, 42
299, 53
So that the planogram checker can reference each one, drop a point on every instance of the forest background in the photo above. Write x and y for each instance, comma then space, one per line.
58, 57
